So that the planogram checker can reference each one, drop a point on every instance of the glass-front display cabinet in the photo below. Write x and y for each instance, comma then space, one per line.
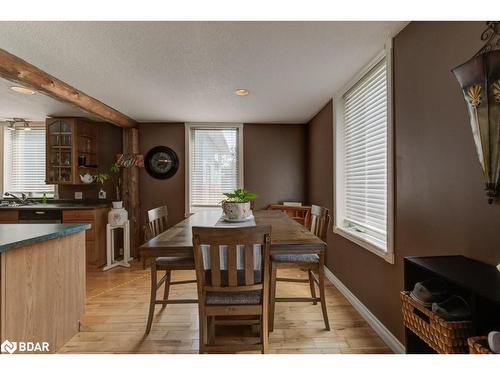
71, 150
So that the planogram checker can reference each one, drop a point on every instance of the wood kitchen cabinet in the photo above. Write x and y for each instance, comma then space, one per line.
95, 237
9, 216
71, 150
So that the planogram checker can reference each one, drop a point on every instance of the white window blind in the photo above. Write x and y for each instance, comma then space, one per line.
24, 161
214, 164
365, 155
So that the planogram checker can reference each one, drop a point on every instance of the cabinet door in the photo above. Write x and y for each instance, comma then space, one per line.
81, 217
60, 150
9, 216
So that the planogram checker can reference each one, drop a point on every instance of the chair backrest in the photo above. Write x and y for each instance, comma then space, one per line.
156, 222
292, 204
300, 214
320, 220
232, 259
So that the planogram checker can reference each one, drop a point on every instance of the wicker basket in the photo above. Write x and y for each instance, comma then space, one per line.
479, 345
442, 336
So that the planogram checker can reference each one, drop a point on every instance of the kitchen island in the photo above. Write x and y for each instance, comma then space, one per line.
42, 283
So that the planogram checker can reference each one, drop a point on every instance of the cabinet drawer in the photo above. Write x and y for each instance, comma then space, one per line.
78, 216
9, 216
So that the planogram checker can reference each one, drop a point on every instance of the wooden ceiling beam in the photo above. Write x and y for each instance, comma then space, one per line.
23, 73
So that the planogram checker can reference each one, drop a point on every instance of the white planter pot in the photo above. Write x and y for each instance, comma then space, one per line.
234, 210
117, 215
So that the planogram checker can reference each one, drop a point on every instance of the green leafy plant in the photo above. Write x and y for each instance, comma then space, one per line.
116, 169
117, 180
240, 196
101, 177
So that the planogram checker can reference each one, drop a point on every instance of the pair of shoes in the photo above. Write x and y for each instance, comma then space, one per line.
434, 294
454, 308
430, 291
494, 341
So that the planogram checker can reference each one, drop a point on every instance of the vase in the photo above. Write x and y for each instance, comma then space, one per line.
117, 215
236, 211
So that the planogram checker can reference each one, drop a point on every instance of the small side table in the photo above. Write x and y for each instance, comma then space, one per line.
110, 246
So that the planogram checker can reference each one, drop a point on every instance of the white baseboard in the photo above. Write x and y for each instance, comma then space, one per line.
392, 342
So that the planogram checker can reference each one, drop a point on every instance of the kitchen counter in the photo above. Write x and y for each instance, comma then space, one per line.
13, 236
59, 206
94, 213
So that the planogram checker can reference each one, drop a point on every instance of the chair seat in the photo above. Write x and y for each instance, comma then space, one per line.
174, 262
295, 258
253, 297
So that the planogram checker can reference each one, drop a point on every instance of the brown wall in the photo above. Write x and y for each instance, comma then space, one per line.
109, 145
275, 162
274, 157
440, 203
170, 192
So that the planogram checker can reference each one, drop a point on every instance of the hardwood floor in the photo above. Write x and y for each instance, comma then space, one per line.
117, 306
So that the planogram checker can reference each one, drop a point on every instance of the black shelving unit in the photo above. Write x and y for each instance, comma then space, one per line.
477, 282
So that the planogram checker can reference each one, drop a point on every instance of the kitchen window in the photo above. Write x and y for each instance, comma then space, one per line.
363, 153
215, 163
24, 161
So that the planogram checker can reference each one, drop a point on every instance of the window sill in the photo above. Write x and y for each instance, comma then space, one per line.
360, 240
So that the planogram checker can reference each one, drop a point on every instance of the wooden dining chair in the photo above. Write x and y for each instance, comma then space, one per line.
232, 268
156, 222
300, 214
311, 262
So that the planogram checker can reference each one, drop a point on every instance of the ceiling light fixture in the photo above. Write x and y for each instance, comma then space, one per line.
242, 92
12, 124
23, 90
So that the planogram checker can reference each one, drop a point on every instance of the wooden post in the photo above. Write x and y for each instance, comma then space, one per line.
130, 189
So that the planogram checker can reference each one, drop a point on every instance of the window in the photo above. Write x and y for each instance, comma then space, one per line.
24, 162
363, 176
215, 160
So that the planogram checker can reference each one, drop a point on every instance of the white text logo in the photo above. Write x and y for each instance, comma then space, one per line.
24, 346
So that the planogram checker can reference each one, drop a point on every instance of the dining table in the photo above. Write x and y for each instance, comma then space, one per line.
287, 236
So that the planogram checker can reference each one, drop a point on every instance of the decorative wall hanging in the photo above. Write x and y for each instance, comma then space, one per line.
479, 79
161, 162
130, 160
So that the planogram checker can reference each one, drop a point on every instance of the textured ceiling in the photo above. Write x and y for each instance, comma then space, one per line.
188, 71
32, 107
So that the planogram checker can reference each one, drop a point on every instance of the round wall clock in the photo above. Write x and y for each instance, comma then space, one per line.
161, 162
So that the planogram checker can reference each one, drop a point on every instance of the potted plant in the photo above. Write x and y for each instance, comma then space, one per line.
118, 215
236, 206
117, 180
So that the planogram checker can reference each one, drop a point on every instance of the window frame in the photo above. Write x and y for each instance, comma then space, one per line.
386, 253
188, 126
3, 175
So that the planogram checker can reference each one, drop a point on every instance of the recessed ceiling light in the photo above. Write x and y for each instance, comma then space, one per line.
23, 90
242, 92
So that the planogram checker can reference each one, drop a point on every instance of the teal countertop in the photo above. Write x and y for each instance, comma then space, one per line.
13, 236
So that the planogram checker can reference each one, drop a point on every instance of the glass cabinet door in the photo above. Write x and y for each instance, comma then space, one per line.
59, 151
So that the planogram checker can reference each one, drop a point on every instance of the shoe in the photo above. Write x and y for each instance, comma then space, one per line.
429, 291
494, 341
453, 309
